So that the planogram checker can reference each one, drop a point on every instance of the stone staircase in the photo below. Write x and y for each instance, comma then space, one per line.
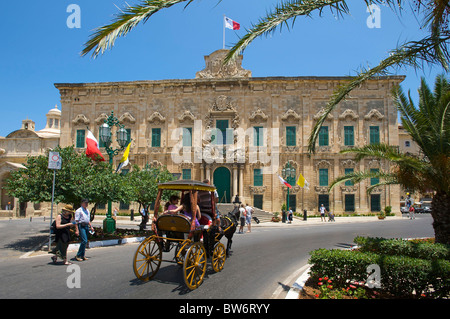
262, 215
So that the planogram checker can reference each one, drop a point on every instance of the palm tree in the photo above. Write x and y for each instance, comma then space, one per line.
429, 127
432, 49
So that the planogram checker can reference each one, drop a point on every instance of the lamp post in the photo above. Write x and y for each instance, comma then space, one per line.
105, 134
289, 174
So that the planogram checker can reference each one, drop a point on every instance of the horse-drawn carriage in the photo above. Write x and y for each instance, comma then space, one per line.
194, 244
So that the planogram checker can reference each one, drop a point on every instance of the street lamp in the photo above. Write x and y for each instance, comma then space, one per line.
289, 174
105, 135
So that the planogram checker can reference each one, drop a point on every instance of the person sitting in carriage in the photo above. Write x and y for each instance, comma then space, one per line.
172, 203
186, 209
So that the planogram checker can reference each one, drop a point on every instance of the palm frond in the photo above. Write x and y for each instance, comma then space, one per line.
104, 37
357, 177
431, 49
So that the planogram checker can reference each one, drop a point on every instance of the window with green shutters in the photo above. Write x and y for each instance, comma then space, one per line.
221, 134
374, 180
128, 135
258, 136
156, 137
323, 177
257, 177
291, 136
349, 136
348, 171
374, 137
375, 203
323, 136
186, 173
350, 202
81, 138
187, 136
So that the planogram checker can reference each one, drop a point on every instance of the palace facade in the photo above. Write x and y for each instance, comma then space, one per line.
241, 131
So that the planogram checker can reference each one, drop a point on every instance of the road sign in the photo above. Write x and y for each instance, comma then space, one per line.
54, 160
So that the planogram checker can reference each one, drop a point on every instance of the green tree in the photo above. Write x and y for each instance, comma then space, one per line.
429, 127
432, 49
79, 177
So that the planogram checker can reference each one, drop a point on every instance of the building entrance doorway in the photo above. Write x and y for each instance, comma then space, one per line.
222, 181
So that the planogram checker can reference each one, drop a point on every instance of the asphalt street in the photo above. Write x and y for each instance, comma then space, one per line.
263, 264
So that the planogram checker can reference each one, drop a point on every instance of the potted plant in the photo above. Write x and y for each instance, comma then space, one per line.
275, 217
381, 215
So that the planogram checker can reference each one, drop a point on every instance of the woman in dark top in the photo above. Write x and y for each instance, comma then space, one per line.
62, 234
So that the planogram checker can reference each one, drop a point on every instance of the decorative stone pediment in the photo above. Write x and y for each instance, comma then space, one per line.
349, 189
290, 114
222, 104
348, 163
320, 113
258, 116
348, 113
156, 117
187, 116
374, 114
127, 117
215, 68
321, 189
101, 119
81, 119
257, 189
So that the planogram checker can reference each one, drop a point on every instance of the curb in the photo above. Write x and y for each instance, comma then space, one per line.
106, 243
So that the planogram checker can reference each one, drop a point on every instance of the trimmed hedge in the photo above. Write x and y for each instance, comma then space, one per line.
420, 249
401, 276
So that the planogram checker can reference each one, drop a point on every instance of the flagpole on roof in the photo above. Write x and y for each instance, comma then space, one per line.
223, 47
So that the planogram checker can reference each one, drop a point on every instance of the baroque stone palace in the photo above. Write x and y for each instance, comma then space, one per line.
240, 132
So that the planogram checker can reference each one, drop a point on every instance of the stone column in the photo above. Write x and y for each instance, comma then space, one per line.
241, 182
208, 173
235, 182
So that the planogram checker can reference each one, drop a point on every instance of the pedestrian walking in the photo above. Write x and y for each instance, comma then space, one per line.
83, 224
242, 215
322, 213
144, 215
248, 218
63, 223
411, 213
290, 215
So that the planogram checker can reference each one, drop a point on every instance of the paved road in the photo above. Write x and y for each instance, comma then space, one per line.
263, 262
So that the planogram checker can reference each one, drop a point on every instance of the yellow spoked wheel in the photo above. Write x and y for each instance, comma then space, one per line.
147, 259
218, 257
180, 252
194, 266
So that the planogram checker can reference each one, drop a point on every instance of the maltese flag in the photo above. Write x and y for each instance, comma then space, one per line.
284, 182
230, 24
92, 149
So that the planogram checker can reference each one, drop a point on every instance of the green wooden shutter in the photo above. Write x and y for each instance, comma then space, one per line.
291, 136
374, 135
348, 171
323, 177
81, 138
323, 136
257, 177
349, 137
156, 137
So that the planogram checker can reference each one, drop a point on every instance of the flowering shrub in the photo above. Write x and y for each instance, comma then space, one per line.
354, 291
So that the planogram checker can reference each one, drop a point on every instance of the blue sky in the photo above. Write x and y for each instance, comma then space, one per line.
38, 49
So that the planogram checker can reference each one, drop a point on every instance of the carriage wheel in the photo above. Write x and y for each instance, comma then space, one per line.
180, 252
147, 259
194, 266
218, 258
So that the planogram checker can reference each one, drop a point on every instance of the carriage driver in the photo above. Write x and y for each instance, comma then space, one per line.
216, 200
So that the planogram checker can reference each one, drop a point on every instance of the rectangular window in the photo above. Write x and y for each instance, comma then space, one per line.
156, 137
374, 137
374, 180
323, 136
257, 177
349, 137
291, 136
348, 171
323, 177
187, 136
186, 173
350, 202
81, 138
258, 136
128, 135
100, 143
375, 203
325, 200
220, 133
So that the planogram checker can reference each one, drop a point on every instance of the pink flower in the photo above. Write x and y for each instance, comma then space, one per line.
320, 283
352, 286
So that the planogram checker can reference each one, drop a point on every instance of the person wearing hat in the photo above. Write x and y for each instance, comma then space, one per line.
63, 223
83, 222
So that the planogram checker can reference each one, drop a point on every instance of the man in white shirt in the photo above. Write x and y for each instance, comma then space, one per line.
248, 218
83, 225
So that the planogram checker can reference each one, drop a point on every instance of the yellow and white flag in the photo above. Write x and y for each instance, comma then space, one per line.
302, 182
124, 161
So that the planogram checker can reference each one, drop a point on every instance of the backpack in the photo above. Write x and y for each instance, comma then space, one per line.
53, 227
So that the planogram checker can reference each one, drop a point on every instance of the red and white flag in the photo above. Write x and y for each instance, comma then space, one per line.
284, 182
230, 24
92, 149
